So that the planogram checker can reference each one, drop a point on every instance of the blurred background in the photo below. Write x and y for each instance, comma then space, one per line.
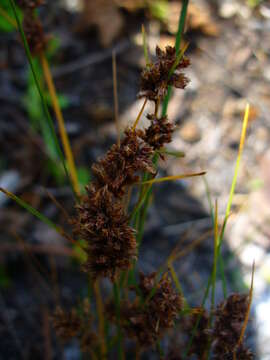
229, 48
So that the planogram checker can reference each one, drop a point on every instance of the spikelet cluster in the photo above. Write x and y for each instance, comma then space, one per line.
146, 324
156, 77
229, 319
32, 27
74, 324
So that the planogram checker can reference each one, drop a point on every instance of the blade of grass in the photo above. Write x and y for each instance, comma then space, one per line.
177, 154
239, 156
249, 306
61, 123
178, 39
37, 214
139, 115
228, 208
43, 100
6, 16
171, 178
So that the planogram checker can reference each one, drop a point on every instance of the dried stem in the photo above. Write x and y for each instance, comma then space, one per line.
61, 123
139, 115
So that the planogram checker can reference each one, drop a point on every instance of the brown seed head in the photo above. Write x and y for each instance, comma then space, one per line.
34, 33
156, 77
229, 318
120, 166
159, 132
102, 223
148, 324
67, 324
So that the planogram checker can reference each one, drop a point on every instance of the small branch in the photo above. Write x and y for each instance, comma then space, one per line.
139, 115
171, 178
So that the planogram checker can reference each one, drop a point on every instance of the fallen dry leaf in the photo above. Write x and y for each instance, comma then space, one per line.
103, 14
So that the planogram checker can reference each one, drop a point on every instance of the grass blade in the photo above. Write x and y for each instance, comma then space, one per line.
36, 213
43, 100
171, 178
178, 39
61, 124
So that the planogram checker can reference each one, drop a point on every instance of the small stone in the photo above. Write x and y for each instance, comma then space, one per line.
228, 9
190, 132
250, 253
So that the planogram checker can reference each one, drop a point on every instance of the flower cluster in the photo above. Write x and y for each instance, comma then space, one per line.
157, 76
75, 324
121, 163
229, 319
101, 220
159, 132
147, 323
110, 241
32, 27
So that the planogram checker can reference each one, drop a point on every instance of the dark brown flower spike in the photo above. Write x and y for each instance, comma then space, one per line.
156, 77
159, 132
120, 166
110, 241
229, 319
66, 324
75, 324
34, 33
148, 323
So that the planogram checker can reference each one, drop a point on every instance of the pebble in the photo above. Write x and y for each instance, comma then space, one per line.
190, 132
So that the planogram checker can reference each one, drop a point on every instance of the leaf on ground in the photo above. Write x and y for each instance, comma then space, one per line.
105, 16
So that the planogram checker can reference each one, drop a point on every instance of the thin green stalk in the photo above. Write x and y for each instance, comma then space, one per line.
35, 212
43, 101
181, 25
178, 39
194, 330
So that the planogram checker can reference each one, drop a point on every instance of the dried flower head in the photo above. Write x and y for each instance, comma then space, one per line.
102, 223
148, 323
159, 132
66, 324
156, 77
34, 33
69, 325
229, 318
121, 164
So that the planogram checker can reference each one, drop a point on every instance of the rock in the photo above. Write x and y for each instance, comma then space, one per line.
190, 132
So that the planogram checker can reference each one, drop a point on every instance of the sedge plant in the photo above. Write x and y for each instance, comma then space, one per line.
144, 308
